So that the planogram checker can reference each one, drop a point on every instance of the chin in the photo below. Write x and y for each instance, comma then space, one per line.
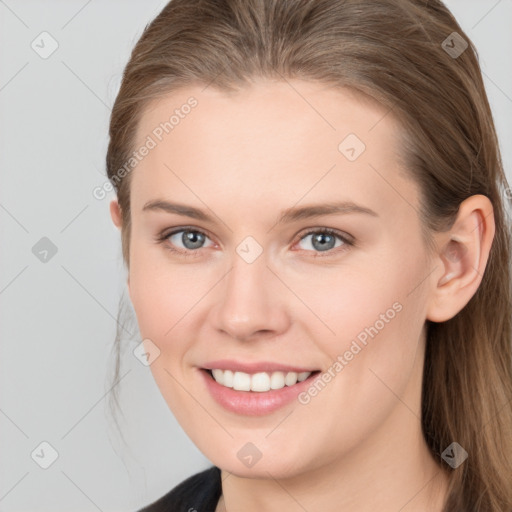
262, 469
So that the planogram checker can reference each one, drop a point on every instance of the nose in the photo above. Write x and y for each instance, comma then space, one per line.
252, 301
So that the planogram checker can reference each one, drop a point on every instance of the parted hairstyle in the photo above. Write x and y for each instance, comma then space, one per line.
393, 51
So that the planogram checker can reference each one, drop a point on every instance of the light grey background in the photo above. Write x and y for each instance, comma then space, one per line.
58, 317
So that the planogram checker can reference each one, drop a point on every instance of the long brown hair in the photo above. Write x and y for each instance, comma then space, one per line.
404, 54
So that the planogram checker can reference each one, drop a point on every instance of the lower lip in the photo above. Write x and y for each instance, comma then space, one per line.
254, 403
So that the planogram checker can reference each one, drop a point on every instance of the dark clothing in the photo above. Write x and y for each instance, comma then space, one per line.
198, 493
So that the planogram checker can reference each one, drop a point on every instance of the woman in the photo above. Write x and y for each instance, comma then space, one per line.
312, 208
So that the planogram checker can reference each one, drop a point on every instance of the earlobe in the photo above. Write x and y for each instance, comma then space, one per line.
462, 258
115, 213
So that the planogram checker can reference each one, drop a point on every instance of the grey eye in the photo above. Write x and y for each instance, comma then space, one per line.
321, 241
189, 238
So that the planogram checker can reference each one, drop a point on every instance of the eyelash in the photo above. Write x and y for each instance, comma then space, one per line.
162, 238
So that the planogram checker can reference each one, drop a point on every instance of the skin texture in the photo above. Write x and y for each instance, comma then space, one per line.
244, 158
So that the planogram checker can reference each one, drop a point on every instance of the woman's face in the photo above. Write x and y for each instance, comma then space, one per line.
244, 286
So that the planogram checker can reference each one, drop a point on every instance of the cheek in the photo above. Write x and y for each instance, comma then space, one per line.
353, 304
376, 317
366, 314
161, 292
335, 305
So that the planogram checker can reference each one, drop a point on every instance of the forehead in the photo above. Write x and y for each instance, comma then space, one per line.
264, 109
282, 139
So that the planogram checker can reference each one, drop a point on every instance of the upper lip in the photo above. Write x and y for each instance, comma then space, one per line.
254, 367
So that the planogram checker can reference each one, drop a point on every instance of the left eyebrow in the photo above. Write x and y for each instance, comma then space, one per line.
287, 216
306, 212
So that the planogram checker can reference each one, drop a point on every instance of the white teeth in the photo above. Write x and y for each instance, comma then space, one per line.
260, 382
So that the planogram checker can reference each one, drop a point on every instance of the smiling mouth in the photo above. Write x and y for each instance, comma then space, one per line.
258, 382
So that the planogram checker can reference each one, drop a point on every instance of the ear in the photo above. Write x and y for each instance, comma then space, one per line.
115, 213
462, 258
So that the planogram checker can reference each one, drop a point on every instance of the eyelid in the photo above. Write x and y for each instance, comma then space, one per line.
163, 236
347, 239
323, 229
